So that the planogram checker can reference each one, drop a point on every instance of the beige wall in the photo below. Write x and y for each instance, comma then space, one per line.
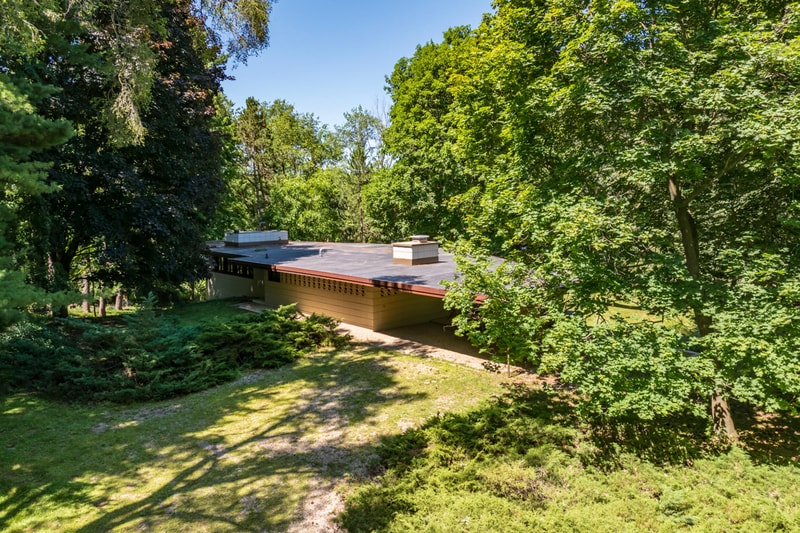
392, 309
368, 307
343, 301
227, 286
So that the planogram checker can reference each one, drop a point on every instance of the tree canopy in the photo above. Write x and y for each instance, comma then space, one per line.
428, 169
127, 198
281, 150
642, 155
299, 175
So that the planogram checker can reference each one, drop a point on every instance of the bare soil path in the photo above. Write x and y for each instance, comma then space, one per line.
431, 340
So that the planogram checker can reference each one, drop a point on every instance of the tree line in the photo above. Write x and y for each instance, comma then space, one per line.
291, 172
373, 178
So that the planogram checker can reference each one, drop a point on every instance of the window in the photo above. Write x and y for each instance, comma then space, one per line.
226, 266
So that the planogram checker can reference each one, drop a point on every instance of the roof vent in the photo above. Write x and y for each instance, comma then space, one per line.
418, 251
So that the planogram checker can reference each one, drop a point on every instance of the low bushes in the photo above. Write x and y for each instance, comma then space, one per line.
150, 357
500, 459
524, 461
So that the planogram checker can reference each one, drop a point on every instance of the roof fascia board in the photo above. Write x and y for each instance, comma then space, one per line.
384, 284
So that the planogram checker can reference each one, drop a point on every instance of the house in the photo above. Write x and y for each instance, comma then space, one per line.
375, 286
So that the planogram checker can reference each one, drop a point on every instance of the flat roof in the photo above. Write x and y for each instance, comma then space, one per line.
363, 264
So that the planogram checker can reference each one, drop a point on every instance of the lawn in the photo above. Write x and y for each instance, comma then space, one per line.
372, 440
524, 462
264, 453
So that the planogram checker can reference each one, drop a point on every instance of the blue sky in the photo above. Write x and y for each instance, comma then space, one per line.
327, 57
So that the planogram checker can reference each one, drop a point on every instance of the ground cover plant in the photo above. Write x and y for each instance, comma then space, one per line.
263, 453
523, 461
150, 355
412, 443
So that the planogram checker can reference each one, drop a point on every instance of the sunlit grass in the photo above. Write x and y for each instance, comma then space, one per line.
252, 455
528, 464
632, 313
243, 456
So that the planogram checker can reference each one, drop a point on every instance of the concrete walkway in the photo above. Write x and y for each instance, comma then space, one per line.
426, 340
431, 339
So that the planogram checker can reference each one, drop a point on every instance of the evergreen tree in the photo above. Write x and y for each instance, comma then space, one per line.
23, 133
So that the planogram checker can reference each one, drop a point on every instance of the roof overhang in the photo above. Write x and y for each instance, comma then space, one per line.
408, 288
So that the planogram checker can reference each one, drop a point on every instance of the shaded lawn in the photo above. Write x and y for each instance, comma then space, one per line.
523, 462
261, 453
243, 456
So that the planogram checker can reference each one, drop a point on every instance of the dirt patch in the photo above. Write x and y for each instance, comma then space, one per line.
135, 417
326, 446
319, 509
324, 502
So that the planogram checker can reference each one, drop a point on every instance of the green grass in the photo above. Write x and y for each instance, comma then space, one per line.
525, 463
206, 312
414, 444
194, 313
243, 456
633, 313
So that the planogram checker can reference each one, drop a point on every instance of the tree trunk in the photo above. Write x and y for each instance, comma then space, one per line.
688, 228
720, 409
101, 306
118, 300
85, 293
257, 186
723, 418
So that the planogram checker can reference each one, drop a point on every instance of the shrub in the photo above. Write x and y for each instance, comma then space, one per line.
152, 357
267, 340
507, 451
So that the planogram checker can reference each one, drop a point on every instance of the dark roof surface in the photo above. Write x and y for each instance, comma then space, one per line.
368, 264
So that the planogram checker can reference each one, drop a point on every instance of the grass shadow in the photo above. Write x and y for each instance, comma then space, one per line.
522, 448
769, 438
301, 413
661, 441
526, 424
772, 439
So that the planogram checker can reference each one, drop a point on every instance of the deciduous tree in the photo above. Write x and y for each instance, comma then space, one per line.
645, 154
130, 212
278, 144
413, 196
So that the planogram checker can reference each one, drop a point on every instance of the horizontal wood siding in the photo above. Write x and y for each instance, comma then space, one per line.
343, 301
394, 309
369, 307
222, 285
